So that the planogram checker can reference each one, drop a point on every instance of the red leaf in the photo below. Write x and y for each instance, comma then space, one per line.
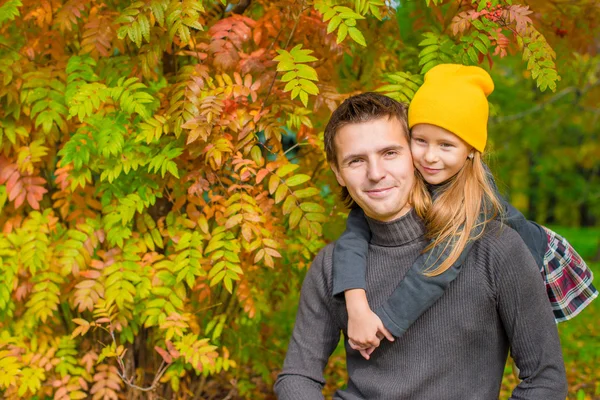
261, 175
163, 353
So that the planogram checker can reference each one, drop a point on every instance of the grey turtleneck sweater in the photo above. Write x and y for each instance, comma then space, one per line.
457, 349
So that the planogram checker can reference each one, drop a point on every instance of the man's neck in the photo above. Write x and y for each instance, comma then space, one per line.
397, 232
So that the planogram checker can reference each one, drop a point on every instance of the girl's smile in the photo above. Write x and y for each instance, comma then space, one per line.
438, 154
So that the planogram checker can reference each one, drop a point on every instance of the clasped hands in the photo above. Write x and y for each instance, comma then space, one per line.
366, 331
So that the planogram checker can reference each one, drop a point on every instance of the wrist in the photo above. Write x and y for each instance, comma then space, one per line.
356, 301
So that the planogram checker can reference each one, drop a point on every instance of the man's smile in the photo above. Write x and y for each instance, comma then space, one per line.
378, 193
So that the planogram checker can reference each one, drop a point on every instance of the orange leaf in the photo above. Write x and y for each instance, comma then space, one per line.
163, 353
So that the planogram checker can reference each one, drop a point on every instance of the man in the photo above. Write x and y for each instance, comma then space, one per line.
458, 348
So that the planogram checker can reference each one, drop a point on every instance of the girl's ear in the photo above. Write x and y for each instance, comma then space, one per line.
471, 155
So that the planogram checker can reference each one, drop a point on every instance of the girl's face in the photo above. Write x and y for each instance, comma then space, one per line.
438, 154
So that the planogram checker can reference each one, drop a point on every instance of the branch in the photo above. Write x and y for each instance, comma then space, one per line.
302, 9
241, 6
555, 98
537, 108
128, 381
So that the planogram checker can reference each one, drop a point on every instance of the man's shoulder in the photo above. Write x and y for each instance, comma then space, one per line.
320, 273
500, 243
323, 261
501, 236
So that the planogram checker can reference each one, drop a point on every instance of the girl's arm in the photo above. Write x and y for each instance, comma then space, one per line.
365, 329
350, 254
532, 234
417, 291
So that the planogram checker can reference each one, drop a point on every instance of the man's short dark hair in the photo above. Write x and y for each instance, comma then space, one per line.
358, 109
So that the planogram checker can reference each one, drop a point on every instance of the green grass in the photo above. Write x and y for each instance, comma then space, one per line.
580, 337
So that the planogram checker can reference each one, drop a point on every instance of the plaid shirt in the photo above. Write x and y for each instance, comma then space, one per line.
568, 279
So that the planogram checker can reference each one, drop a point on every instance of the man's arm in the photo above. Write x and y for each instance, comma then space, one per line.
315, 337
528, 321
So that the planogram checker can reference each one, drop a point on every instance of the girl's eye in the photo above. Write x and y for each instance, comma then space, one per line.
419, 140
447, 145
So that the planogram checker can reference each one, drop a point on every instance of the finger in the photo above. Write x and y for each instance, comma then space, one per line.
375, 342
388, 335
356, 346
370, 350
356, 342
365, 354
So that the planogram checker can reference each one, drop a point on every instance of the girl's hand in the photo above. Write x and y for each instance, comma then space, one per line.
365, 329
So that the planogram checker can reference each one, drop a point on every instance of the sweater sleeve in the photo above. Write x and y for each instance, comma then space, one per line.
532, 234
315, 336
350, 254
528, 321
417, 292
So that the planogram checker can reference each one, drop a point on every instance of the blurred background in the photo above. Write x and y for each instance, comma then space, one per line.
163, 186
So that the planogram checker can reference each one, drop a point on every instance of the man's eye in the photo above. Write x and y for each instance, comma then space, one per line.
355, 161
391, 153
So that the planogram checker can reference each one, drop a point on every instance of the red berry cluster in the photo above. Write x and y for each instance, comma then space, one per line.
493, 13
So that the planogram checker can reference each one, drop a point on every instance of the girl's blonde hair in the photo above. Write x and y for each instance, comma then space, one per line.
459, 212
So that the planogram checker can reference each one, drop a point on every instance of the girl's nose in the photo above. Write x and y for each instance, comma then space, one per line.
430, 155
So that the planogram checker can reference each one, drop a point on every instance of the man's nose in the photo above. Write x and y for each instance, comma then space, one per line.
376, 171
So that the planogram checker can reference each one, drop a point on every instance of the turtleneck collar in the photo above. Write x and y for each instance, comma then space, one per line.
397, 232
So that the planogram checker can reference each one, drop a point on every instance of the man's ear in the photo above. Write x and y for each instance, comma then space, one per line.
338, 176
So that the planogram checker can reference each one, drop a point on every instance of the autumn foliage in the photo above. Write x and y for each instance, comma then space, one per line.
162, 179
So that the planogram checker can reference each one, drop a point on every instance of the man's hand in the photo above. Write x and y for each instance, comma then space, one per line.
365, 329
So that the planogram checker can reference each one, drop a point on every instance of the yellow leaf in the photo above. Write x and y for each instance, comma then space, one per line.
273, 183
295, 217
280, 193
297, 180
286, 169
288, 204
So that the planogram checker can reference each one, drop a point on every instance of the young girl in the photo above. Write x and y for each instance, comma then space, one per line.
448, 120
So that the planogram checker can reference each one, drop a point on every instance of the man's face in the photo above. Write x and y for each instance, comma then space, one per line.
375, 165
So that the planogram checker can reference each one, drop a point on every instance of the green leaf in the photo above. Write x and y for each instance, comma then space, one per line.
312, 207
357, 36
286, 169
295, 217
309, 87
289, 76
308, 192
297, 180
430, 40
304, 98
472, 55
480, 46
334, 23
307, 72
342, 33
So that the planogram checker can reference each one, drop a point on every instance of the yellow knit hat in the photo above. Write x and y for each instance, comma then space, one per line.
454, 97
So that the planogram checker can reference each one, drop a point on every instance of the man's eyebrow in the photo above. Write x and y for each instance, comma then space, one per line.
349, 157
398, 147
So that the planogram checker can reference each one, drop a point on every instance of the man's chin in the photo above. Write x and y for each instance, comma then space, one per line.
385, 215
